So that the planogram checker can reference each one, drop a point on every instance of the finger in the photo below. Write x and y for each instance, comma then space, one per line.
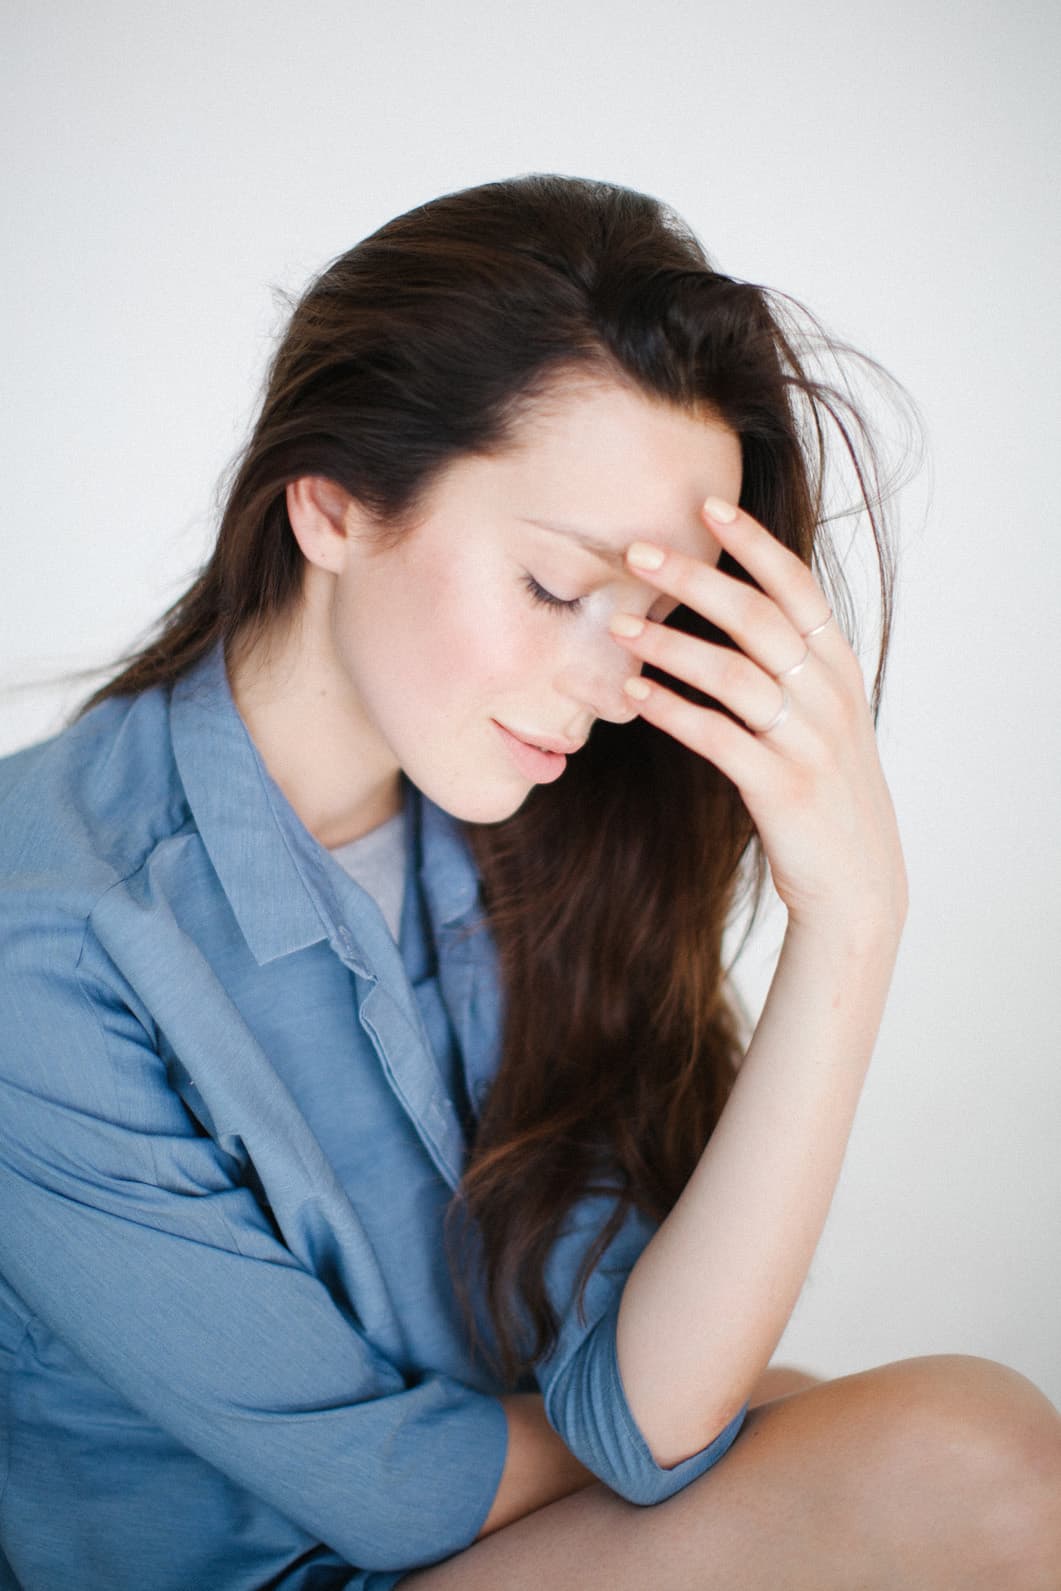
781, 574
753, 619
735, 751
718, 671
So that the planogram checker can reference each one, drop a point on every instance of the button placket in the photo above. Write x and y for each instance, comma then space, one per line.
410, 1069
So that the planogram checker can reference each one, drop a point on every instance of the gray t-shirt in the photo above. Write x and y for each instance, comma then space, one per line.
376, 861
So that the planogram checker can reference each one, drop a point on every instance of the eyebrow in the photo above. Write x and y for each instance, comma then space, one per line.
603, 549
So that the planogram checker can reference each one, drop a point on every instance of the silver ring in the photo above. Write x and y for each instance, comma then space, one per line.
818, 628
787, 673
779, 718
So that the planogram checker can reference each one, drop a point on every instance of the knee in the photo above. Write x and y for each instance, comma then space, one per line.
986, 1443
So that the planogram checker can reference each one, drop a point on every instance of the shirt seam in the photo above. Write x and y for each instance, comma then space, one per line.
152, 1161
147, 1150
124, 877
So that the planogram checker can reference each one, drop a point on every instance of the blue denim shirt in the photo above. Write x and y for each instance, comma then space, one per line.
230, 1123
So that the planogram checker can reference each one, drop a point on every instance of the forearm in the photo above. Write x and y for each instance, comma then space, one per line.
706, 1303
539, 1468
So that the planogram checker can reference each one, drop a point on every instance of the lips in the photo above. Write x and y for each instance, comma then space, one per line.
541, 767
549, 742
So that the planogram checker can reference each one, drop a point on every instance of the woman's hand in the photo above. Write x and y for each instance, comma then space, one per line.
814, 784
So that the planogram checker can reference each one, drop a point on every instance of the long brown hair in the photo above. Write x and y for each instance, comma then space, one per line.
607, 893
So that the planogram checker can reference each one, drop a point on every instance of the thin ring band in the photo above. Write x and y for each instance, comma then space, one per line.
787, 673
818, 628
783, 714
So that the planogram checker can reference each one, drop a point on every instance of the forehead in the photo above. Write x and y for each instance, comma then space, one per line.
598, 467
601, 547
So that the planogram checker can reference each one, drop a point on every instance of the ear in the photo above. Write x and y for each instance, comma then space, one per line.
323, 517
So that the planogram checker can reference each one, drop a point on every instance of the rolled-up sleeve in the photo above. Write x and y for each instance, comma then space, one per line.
127, 1231
585, 1400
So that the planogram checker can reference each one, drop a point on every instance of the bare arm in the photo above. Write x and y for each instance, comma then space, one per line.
709, 1296
706, 1302
539, 1468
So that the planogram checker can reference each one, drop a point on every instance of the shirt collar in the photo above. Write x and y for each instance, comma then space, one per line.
277, 877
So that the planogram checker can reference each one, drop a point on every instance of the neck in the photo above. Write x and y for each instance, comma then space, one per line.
312, 732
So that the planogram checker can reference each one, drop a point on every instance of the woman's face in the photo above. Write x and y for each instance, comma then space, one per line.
442, 639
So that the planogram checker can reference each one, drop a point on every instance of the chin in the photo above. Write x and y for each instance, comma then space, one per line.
481, 805
487, 796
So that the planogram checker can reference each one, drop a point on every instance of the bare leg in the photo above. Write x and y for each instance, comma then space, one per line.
935, 1473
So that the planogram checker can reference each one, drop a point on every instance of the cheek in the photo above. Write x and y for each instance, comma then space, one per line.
470, 639
499, 651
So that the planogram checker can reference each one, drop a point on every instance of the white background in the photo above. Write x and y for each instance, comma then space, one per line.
167, 168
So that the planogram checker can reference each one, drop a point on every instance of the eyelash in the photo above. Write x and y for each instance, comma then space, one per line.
547, 599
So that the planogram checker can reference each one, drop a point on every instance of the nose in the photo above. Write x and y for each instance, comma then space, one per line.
592, 675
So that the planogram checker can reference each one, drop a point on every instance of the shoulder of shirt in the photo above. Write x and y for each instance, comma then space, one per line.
84, 809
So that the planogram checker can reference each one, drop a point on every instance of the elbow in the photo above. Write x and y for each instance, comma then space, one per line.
677, 1448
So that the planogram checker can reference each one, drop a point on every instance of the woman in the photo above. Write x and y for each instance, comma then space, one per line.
382, 1200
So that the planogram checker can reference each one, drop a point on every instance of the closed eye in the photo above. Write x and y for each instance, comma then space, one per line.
661, 612
547, 599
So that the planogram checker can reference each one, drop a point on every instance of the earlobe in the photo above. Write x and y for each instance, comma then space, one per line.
318, 511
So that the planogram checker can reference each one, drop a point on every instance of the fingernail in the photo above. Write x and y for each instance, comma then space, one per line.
643, 555
636, 687
723, 513
626, 624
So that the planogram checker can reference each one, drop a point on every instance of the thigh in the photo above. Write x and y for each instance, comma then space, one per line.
864, 1481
